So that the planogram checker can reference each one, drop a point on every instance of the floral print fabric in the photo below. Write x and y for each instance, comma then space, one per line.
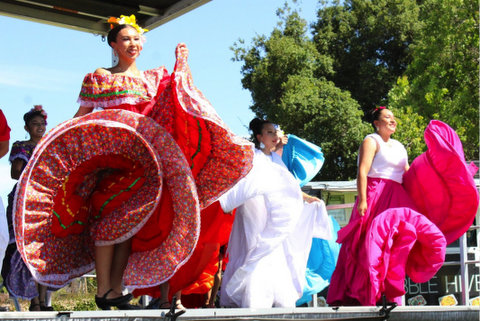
214, 158
56, 260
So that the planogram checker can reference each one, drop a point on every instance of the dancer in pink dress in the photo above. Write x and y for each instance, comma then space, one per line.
375, 252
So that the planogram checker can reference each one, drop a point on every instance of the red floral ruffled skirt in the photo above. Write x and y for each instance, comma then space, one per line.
116, 174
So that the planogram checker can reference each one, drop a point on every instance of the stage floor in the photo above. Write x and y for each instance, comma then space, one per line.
425, 313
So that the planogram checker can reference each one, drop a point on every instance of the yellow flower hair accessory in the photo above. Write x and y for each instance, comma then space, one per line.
124, 20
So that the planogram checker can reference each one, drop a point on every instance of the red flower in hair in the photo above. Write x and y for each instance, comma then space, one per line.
39, 108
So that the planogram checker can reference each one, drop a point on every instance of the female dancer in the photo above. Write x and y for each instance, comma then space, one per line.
111, 260
271, 235
17, 278
357, 279
157, 239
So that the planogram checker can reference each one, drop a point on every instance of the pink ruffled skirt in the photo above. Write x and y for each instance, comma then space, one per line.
379, 248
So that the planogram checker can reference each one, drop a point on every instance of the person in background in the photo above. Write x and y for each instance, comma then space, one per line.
17, 278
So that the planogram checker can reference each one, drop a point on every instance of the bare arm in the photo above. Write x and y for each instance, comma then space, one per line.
83, 111
309, 199
366, 154
16, 169
3, 148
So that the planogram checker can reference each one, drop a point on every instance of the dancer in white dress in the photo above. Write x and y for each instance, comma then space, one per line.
272, 233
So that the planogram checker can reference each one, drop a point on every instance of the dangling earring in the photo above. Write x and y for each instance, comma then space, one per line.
115, 53
376, 128
262, 145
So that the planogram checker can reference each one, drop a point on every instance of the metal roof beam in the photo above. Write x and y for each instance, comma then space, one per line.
91, 15
149, 11
52, 18
176, 10
96, 8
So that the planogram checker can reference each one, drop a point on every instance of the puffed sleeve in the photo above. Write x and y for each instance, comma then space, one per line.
19, 150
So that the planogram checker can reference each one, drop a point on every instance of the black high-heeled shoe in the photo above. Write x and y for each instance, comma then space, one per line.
44, 307
105, 304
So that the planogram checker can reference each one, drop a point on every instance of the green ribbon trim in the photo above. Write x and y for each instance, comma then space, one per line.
115, 93
198, 143
115, 195
65, 227
101, 208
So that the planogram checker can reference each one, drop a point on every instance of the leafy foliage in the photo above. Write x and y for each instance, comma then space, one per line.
442, 81
411, 125
369, 43
418, 57
288, 81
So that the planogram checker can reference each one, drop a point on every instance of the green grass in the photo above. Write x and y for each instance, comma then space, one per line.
79, 295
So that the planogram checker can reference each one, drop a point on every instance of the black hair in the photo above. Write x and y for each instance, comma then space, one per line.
32, 114
374, 115
112, 34
256, 126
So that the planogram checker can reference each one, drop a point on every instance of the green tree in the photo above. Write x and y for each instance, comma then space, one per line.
411, 125
442, 81
287, 78
368, 41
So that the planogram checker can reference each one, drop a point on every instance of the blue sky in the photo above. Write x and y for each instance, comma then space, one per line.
43, 64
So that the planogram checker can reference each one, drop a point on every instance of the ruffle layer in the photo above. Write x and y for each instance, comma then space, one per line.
441, 183
110, 91
230, 157
197, 274
395, 238
216, 157
55, 259
400, 242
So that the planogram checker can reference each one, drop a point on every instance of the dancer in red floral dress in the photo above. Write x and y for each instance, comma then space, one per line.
126, 184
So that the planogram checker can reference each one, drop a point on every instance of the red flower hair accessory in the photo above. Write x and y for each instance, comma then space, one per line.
41, 110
